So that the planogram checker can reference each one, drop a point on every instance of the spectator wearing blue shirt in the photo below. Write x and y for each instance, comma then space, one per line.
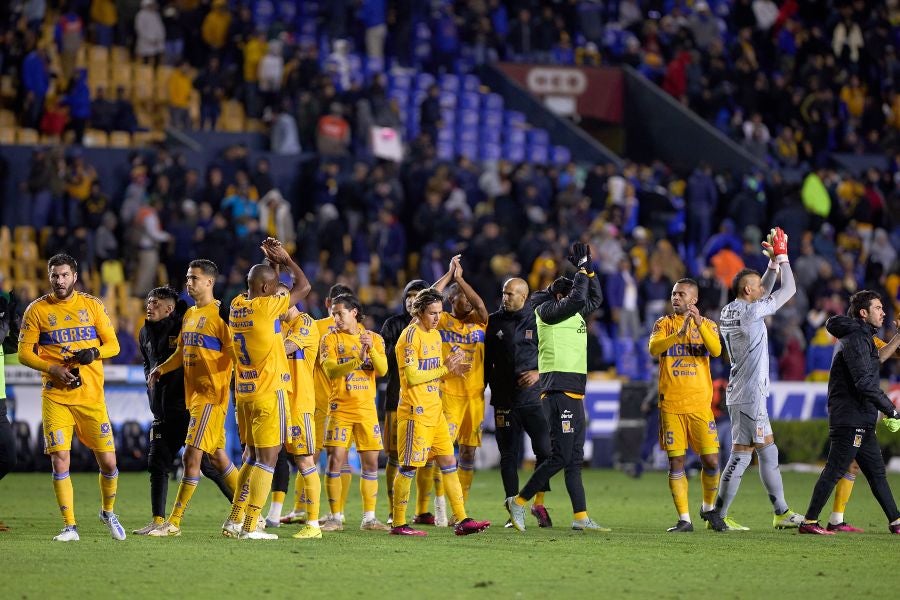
78, 99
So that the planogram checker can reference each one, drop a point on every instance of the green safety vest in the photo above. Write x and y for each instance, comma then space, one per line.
562, 347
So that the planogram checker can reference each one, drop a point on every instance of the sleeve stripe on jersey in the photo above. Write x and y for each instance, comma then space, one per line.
409, 335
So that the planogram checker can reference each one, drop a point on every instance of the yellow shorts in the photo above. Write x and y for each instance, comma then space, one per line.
341, 433
389, 432
464, 415
303, 434
264, 421
206, 429
89, 421
320, 416
697, 429
418, 443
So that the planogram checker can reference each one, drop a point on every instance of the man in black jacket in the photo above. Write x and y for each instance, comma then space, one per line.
391, 331
158, 339
854, 399
510, 369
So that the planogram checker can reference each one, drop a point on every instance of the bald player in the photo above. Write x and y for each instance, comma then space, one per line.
262, 383
510, 369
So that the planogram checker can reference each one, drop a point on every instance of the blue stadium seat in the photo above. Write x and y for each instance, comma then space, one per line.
466, 135
489, 151
467, 118
514, 152
448, 116
424, 81
471, 83
469, 150
538, 154
445, 134
445, 151
538, 137
492, 101
513, 117
626, 358
515, 136
374, 66
415, 100
447, 100
492, 118
490, 135
310, 8
560, 155
400, 81
401, 96
449, 82
469, 101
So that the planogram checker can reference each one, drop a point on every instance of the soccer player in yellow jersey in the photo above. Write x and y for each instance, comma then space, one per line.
301, 344
322, 384
64, 335
463, 396
261, 384
684, 341
844, 487
205, 353
422, 430
353, 358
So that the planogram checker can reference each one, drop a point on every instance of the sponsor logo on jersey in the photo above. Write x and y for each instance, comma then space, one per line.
105, 428
51, 318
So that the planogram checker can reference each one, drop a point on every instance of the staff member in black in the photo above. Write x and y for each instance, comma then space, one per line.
9, 328
854, 399
510, 369
158, 339
391, 331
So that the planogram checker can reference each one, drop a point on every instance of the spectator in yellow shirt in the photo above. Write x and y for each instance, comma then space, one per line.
180, 86
216, 24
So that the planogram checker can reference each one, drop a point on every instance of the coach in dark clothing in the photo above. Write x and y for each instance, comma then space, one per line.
158, 339
510, 369
854, 399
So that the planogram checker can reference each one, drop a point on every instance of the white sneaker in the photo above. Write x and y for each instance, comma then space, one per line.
231, 529
589, 524
146, 529
256, 535
112, 521
260, 523
165, 530
373, 525
440, 512
788, 520
68, 534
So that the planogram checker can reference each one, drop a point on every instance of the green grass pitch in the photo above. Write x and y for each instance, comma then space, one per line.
637, 560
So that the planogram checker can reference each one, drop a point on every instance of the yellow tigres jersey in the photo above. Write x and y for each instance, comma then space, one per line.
322, 383
416, 347
260, 359
879, 344
53, 330
353, 395
205, 351
685, 383
469, 337
303, 332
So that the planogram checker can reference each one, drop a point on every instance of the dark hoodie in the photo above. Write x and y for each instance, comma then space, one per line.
391, 330
158, 341
854, 393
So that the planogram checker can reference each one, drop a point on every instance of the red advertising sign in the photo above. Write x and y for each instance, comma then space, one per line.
596, 92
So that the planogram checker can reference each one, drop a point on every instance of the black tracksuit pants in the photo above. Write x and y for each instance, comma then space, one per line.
510, 425
567, 433
848, 443
7, 445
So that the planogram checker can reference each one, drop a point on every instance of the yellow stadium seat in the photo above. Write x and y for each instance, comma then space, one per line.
120, 139
7, 136
7, 119
98, 53
96, 138
7, 87
27, 137
24, 233
161, 83
143, 83
119, 55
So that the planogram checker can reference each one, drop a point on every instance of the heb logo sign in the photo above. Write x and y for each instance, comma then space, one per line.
596, 92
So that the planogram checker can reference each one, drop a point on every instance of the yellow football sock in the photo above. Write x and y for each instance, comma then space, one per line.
241, 493
185, 491
402, 484
300, 491
710, 484
231, 476
108, 486
520, 500
390, 471
438, 480
278, 497
678, 485
539, 498
454, 492
424, 485
65, 496
368, 490
580, 516
158, 520
465, 473
260, 484
842, 492
312, 492
346, 482
333, 489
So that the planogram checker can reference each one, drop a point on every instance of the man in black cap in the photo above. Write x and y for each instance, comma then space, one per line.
391, 331
511, 370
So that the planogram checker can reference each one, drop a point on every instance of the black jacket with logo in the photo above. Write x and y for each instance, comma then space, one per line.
511, 348
158, 341
391, 331
854, 392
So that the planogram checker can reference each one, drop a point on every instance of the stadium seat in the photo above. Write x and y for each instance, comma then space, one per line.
24, 446
469, 101
513, 117
515, 136
449, 82
492, 119
7, 87
468, 118
7, 119
490, 135
424, 81
560, 155
466, 135
120, 139
492, 101
131, 447
447, 100
538, 154
24, 233
448, 117
96, 138
489, 151
400, 95
514, 152
400, 81
471, 83
445, 134
467, 149
7, 135
27, 137
537, 137
444, 151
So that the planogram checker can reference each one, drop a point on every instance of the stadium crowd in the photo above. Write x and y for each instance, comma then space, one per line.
375, 225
